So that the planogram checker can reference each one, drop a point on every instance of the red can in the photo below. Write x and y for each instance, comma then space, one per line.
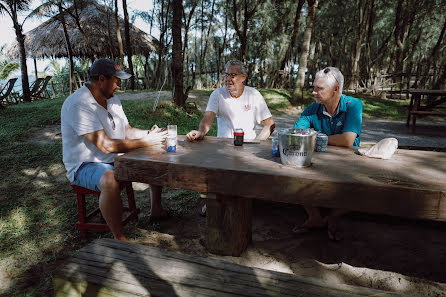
238, 136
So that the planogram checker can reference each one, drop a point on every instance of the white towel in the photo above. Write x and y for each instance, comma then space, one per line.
384, 149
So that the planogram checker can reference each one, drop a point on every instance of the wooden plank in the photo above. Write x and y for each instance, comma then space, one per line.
427, 92
108, 268
422, 112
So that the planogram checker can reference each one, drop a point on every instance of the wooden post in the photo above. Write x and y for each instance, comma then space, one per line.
229, 224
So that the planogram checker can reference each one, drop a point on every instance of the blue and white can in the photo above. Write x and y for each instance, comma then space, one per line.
275, 147
321, 142
171, 143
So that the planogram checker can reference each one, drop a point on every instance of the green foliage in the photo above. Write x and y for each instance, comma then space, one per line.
7, 68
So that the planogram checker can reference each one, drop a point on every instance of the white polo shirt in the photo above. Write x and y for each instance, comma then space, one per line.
81, 114
243, 112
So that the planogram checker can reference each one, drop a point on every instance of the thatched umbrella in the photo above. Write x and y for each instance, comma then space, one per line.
47, 40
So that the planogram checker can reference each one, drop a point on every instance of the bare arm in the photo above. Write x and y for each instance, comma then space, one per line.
135, 133
268, 128
203, 129
345, 139
108, 145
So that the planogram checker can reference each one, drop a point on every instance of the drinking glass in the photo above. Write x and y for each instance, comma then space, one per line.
172, 130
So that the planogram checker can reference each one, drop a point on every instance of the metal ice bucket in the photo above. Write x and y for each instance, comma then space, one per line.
297, 146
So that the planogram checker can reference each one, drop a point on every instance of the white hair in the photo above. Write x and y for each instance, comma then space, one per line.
240, 66
333, 76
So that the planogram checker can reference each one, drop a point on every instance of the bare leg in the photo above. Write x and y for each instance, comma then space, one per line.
157, 209
313, 221
110, 204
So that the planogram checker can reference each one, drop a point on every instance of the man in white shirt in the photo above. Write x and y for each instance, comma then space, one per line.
236, 106
94, 130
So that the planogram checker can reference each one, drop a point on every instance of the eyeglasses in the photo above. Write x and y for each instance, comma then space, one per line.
232, 75
327, 70
110, 117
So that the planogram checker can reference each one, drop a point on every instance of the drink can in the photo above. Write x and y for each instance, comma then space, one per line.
238, 136
171, 143
321, 142
275, 147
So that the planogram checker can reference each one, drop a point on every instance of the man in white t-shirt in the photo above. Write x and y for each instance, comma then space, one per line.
236, 106
94, 130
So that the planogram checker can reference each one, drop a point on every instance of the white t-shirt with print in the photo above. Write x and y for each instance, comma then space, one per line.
81, 114
243, 112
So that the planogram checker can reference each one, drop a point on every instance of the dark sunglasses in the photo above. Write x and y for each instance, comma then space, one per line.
327, 70
110, 117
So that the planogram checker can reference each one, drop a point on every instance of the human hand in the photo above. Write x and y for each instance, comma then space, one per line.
195, 135
155, 137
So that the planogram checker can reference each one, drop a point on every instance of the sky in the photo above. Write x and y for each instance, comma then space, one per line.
8, 34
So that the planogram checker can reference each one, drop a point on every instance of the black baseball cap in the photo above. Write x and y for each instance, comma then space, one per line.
107, 67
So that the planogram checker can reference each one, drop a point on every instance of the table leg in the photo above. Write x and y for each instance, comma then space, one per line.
229, 225
410, 109
416, 105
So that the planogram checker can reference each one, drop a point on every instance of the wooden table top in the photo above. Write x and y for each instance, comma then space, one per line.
215, 165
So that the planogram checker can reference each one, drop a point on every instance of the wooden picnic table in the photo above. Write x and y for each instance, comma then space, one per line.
411, 184
416, 109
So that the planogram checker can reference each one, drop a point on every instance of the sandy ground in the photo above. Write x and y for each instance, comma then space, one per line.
380, 252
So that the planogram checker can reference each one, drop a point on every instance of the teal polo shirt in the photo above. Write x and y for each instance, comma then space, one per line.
347, 119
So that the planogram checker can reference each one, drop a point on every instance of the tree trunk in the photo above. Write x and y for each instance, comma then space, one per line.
293, 34
361, 29
128, 44
76, 18
177, 54
24, 70
299, 85
69, 48
118, 35
187, 23
35, 67
242, 30
433, 56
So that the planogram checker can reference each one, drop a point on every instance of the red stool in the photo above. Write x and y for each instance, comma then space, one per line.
83, 224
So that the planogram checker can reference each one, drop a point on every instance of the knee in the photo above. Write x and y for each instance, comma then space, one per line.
108, 181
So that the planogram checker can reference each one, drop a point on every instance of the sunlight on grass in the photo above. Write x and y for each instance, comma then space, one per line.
16, 223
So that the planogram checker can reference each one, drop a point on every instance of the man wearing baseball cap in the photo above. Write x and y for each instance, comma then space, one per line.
95, 130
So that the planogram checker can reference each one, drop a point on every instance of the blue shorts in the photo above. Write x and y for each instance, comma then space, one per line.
89, 174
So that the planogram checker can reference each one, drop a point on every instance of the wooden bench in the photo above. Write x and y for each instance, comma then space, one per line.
415, 107
107, 267
426, 113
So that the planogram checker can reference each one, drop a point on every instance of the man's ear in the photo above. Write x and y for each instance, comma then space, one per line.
336, 89
244, 75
